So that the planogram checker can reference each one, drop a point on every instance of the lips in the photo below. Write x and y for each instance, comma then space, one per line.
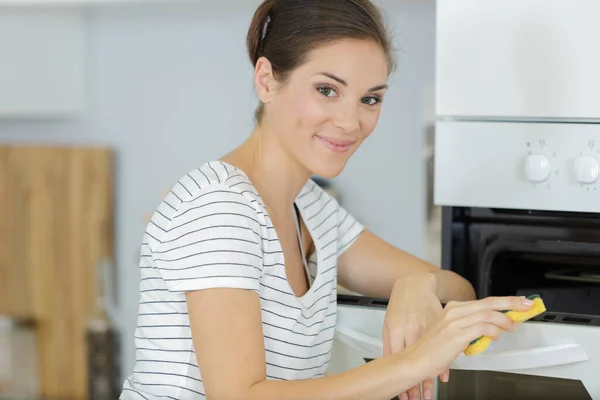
337, 145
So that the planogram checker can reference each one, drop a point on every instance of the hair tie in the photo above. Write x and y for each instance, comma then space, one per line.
264, 32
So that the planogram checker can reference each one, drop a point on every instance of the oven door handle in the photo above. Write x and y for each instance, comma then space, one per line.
513, 360
531, 358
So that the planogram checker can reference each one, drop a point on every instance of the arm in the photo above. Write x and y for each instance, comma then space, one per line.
372, 266
229, 346
212, 251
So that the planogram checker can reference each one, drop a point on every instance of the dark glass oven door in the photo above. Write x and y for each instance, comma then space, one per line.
506, 252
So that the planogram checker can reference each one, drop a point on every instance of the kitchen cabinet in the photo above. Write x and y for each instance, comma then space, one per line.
56, 228
513, 59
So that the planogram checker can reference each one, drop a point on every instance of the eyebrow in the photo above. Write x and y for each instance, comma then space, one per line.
343, 82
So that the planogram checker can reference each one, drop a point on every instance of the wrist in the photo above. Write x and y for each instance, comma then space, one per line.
423, 281
410, 366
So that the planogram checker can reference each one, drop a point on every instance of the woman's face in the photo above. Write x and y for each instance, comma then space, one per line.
329, 105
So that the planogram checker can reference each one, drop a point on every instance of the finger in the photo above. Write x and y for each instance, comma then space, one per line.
525, 304
482, 329
457, 309
456, 304
499, 319
445, 376
517, 303
428, 389
489, 303
414, 393
487, 317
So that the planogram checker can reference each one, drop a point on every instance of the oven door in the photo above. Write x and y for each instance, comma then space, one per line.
545, 358
509, 252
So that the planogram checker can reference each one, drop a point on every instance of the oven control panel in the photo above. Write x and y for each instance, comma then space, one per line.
518, 165
586, 169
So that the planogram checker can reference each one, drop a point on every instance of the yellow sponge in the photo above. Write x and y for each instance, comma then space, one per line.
479, 345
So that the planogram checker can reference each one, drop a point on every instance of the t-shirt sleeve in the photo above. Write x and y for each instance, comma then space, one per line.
212, 241
349, 229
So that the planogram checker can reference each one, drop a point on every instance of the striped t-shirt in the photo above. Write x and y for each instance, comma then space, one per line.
213, 230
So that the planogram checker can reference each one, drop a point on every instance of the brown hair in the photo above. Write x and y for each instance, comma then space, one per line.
285, 31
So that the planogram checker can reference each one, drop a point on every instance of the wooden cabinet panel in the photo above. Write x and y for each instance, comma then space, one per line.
56, 227
15, 289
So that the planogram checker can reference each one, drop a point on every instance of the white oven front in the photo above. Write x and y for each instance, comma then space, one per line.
549, 357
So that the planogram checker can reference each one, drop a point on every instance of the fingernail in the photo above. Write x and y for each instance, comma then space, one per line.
527, 302
427, 394
413, 397
403, 396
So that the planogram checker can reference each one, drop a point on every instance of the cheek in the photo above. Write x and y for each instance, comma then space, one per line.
310, 112
368, 122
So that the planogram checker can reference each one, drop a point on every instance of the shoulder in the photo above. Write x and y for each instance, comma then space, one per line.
215, 191
210, 177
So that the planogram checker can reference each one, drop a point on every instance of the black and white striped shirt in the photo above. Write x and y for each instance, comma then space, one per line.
213, 230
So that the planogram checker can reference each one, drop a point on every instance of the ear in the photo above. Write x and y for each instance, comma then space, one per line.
264, 82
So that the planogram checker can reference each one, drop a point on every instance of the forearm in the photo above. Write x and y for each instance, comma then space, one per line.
372, 267
383, 379
379, 275
452, 287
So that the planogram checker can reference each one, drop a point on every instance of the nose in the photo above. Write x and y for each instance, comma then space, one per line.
346, 117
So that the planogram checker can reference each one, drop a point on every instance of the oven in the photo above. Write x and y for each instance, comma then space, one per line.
517, 175
514, 226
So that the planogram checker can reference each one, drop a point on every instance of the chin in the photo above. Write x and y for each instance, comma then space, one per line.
328, 170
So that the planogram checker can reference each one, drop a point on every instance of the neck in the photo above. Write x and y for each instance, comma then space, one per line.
277, 175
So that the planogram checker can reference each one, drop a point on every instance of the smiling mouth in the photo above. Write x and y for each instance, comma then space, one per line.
338, 146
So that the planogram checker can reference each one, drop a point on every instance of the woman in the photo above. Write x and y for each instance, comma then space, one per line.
241, 260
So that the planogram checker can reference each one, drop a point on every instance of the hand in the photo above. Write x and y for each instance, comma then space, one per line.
461, 323
413, 308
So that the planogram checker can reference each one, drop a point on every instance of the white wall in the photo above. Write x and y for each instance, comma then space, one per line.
169, 87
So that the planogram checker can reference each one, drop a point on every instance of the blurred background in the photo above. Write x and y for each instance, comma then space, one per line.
104, 104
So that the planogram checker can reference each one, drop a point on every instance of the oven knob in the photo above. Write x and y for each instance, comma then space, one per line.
586, 169
537, 167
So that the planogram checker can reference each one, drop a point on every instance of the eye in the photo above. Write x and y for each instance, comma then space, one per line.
371, 100
326, 91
